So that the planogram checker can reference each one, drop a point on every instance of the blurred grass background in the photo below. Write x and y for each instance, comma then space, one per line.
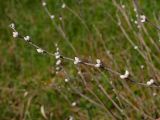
22, 69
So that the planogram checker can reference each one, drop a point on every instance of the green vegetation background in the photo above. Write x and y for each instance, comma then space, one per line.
22, 69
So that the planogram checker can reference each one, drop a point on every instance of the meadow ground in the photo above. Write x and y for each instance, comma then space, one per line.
124, 35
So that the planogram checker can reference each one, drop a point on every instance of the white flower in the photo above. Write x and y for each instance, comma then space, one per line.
142, 66
57, 68
66, 80
57, 55
135, 47
99, 63
74, 104
143, 18
136, 22
150, 82
58, 62
44, 3
60, 18
15, 34
76, 60
123, 6
12, 25
154, 94
25, 93
63, 5
52, 16
125, 76
39, 50
27, 38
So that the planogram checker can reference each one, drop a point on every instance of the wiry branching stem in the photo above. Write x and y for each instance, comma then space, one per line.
98, 65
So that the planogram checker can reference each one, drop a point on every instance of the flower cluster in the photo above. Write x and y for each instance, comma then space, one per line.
76, 60
15, 34
150, 82
142, 18
58, 58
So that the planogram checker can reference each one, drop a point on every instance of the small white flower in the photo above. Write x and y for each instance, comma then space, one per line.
58, 62
57, 55
99, 63
44, 3
52, 17
142, 66
74, 104
150, 82
57, 68
15, 34
123, 6
25, 94
143, 18
63, 5
138, 26
60, 18
125, 76
66, 80
57, 49
39, 50
27, 38
135, 9
136, 22
154, 94
12, 25
135, 47
76, 60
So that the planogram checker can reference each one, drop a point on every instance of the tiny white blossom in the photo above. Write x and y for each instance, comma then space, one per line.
135, 9
60, 18
27, 38
76, 60
66, 80
74, 104
25, 94
98, 63
143, 18
135, 47
142, 66
57, 68
12, 25
150, 82
123, 6
39, 50
57, 55
63, 5
154, 94
136, 22
138, 26
52, 16
58, 62
125, 76
15, 34
44, 3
